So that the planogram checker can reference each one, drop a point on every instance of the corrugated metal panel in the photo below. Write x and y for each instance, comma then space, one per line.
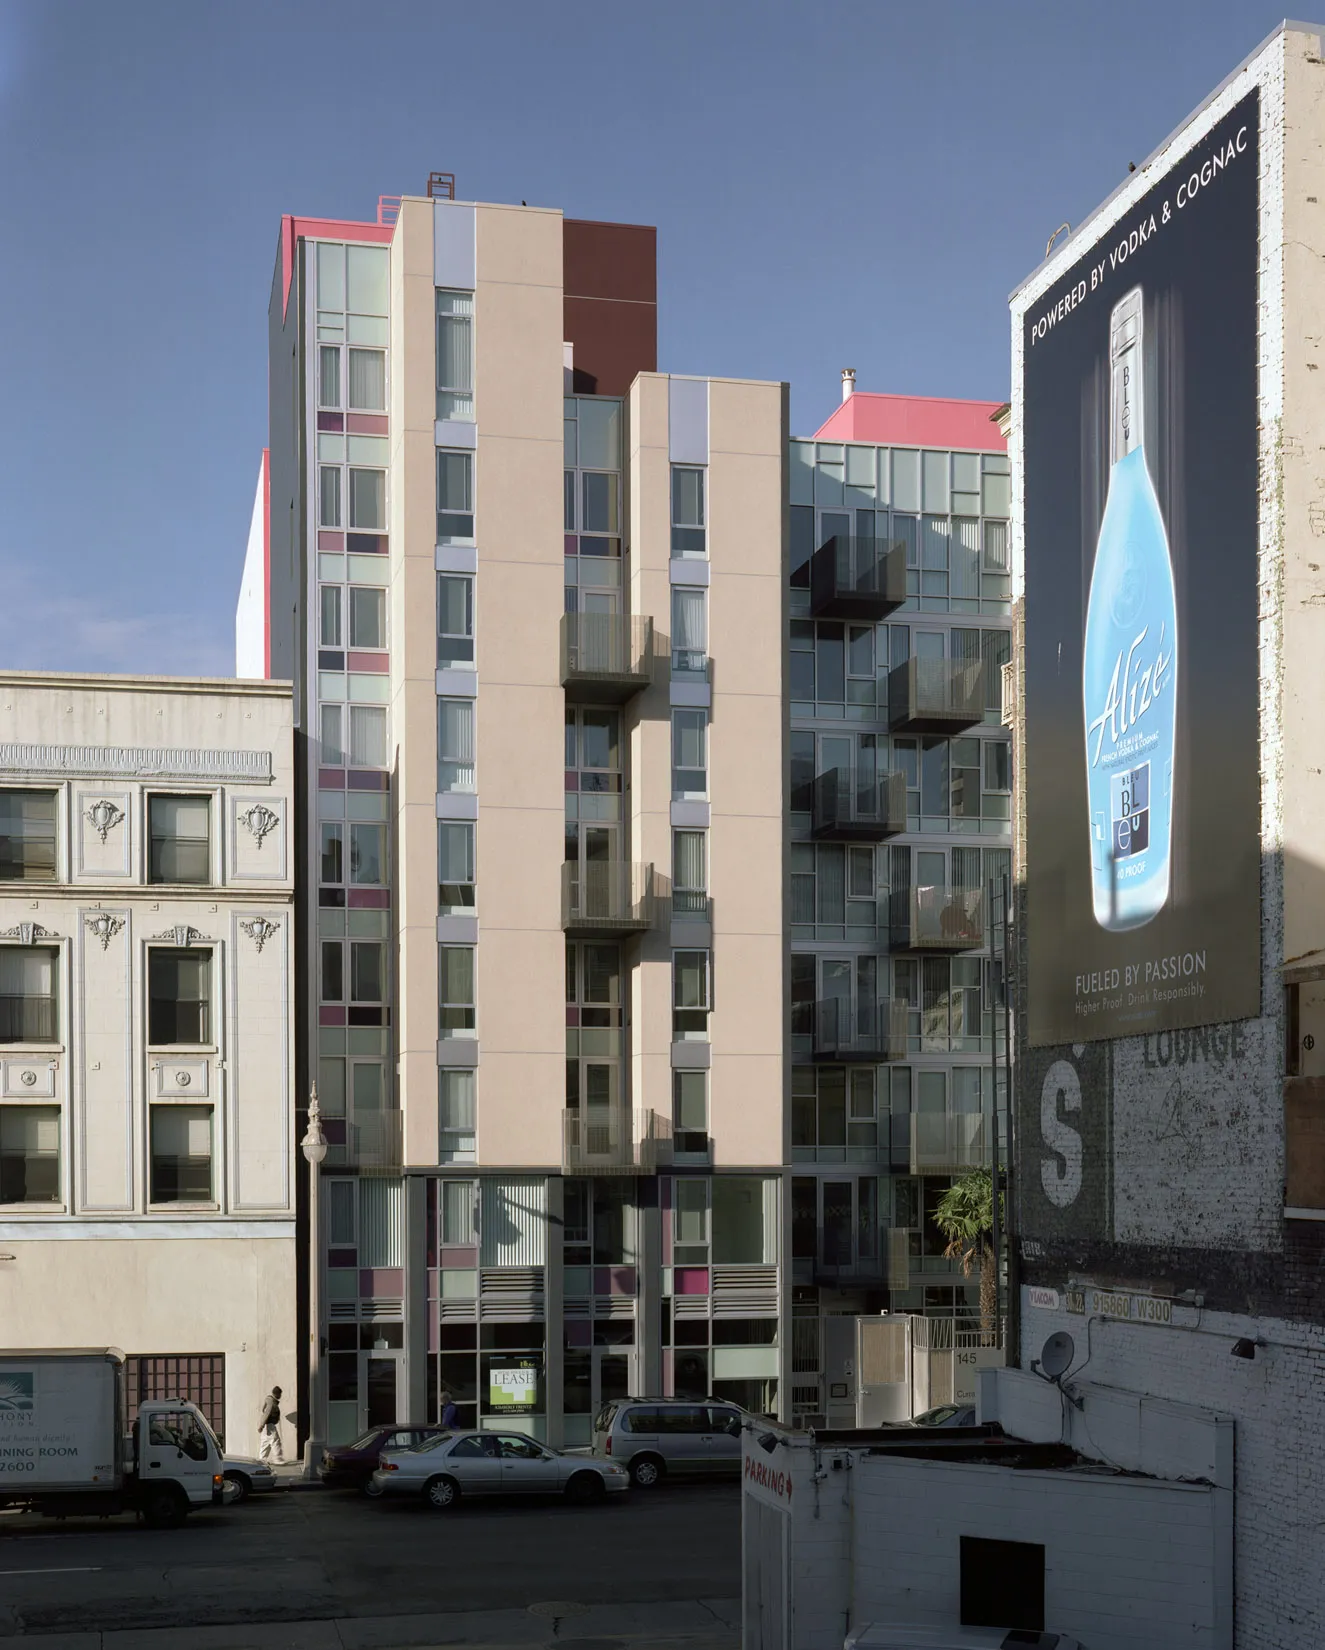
690, 1306
512, 1294
614, 1306
512, 1222
380, 1212
882, 1351
381, 1311
899, 1258
772, 1225
745, 1291
456, 1311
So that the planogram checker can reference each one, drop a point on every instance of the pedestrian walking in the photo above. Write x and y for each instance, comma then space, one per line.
450, 1416
269, 1428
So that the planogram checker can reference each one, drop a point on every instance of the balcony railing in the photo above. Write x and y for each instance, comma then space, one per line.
611, 1140
936, 695
606, 656
373, 1140
947, 1142
606, 896
935, 917
846, 1030
857, 577
847, 810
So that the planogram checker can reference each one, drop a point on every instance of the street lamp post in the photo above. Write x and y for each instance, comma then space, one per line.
314, 1148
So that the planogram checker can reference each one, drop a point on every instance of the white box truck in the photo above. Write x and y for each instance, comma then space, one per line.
67, 1446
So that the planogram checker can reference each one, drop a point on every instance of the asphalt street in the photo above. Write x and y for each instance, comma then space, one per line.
628, 1571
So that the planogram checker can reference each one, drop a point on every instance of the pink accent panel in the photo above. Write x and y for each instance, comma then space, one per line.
333, 423
378, 662
381, 1280
369, 899
287, 261
332, 543
579, 1332
360, 781
459, 1254
915, 421
328, 1015
266, 561
366, 423
614, 1280
572, 544
331, 779
690, 1280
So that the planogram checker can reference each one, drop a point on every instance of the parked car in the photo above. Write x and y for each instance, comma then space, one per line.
445, 1469
351, 1466
244, 1476
652, 1437
946, 1415
891, 1637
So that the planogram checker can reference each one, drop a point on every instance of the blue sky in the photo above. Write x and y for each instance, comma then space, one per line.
834, 184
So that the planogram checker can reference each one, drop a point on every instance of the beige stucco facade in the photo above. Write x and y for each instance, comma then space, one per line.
148, 1197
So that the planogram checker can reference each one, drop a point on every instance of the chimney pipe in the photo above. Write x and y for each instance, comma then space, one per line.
848, 383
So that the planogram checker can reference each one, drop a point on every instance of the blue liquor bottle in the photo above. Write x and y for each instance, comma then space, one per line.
1130, 663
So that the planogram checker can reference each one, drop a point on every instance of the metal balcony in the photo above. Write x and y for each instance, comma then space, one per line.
936, 696
606, 658
947, 1142
611, 1140
845, 810
846, 1030
936, 917
605, 897
857, 577
373, 1140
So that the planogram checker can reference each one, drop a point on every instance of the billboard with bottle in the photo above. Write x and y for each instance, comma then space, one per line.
1142, 783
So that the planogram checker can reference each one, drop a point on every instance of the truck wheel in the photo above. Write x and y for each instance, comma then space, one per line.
647, 1472
165, 1509
441, 1494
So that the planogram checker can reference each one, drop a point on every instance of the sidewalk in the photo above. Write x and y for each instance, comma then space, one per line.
692, 1624
290, 1476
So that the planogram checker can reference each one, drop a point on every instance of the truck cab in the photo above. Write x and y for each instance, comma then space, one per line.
175, 1457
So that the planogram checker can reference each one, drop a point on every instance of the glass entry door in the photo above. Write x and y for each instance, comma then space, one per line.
381, 1387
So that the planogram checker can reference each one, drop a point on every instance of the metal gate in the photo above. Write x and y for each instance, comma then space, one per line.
764, 1578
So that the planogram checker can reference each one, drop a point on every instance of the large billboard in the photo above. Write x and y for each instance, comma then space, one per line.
1140, 440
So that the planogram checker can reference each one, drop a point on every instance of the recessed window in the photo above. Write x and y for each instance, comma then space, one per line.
455, 354
367, 380
332, 866
455, 866
455, 619
455, 971
328, 496
332, 718
333, 971
690, 641
688, 530
455, 1115
368, 855
329, 602
690, 995
180, 839
368, 500
181, 1154
689, 872
367, 617
29, 1154
690, 1221
455, 744
367, 736
367, 971
689, 753
27, 836
328, 376
28, 1012
455, 495
690, 1111
179, 997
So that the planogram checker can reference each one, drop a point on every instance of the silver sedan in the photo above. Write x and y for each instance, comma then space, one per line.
444, 1469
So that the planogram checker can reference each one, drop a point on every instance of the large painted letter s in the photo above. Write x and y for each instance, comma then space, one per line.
1061, 1176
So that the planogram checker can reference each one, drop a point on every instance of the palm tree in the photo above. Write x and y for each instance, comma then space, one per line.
965, 1216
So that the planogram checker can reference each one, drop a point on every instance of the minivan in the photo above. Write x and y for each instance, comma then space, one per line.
652, 1437
878, 1636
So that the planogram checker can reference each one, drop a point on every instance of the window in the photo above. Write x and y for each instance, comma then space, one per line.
690, 1221
455, 496
328, 493
329, 632
689, 753
689, 872
689, 630
367, 736
367, 617
29, 1154
179, 997
690, 995
368, 500
457, 1204
455, 1122
368, 855
328, 376
367, 971
455, 744
333, 735
181, 1154
690, 1112
455, 866
455, 619
332, 866
367, 380
455, 354
333, 979
180, 839
455, 971
688, 536
27, 994
27, 835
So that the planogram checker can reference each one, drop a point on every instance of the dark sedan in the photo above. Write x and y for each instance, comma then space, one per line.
351, 1466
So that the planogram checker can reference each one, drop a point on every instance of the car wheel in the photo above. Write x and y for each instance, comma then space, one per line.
585, 1487
647, 1471
165, 1509
236, 1488
371, 1490
441, 1494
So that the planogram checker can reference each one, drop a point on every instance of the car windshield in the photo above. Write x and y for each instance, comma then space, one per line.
367, 1439
936, 1417
432, 1443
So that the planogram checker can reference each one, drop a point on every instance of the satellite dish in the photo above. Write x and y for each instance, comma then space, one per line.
1057, 1355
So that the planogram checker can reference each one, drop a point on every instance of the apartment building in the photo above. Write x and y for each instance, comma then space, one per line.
530, 591
900, 822
146, 1057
